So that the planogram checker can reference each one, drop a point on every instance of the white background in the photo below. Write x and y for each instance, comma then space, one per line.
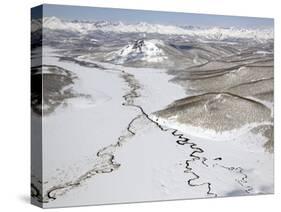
15, 106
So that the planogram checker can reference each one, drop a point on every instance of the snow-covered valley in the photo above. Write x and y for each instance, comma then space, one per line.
117, 126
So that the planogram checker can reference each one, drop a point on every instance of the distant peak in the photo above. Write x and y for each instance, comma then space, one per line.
202, 33
138, 50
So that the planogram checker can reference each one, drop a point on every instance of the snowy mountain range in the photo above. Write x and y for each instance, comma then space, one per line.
204, 33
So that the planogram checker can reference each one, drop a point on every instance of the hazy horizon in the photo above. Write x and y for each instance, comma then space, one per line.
132, 16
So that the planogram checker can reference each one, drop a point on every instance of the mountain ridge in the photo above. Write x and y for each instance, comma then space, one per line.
205, 33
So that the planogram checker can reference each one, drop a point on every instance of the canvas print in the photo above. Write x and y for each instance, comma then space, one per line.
134, 106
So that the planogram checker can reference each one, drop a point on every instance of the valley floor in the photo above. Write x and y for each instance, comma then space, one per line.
112, 148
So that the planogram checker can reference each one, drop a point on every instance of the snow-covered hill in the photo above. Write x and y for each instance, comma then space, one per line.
139, 50
210, 33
